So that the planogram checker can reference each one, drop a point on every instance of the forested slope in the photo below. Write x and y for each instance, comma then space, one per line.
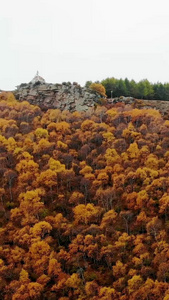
84, 201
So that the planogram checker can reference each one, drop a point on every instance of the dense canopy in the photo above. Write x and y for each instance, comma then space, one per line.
84, 203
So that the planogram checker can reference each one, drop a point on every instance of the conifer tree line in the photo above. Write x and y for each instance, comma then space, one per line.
141, 90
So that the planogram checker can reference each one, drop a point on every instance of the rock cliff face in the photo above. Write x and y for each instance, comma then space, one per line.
65, 96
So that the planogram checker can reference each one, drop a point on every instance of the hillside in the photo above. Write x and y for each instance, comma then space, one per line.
162, 106
84, 202
73, 97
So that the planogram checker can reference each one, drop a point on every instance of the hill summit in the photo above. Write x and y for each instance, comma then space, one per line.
65, 96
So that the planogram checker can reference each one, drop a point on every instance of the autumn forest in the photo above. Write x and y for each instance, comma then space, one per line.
84, 203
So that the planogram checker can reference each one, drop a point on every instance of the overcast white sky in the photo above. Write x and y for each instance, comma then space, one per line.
80, 40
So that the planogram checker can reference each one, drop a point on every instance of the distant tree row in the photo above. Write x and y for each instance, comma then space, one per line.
141, 90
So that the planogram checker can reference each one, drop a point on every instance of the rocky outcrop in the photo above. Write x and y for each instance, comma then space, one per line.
65, 96
126, 100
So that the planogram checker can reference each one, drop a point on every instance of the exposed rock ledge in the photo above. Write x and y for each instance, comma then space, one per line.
65, 96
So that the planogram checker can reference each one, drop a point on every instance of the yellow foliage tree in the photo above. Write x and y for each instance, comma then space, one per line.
99, 88
54, 268
134, 283
86, 213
